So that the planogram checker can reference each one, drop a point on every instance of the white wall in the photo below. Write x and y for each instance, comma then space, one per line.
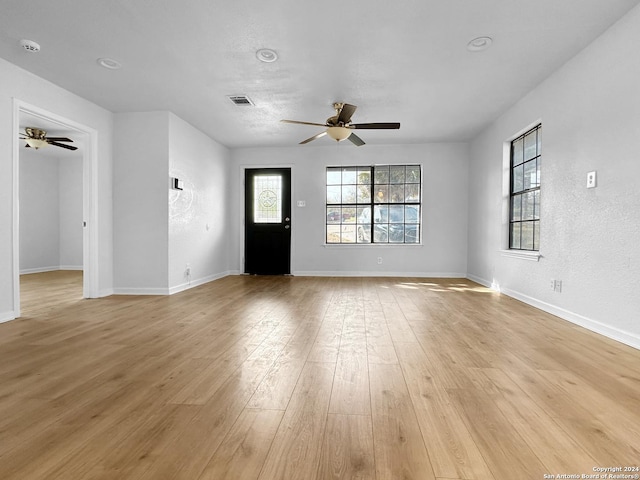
158, 230
39, 213
590, 112
70, 200
50, 212
140, 207
445, 184
198, 220
16, 83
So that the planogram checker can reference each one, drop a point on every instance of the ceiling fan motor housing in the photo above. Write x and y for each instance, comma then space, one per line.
35, 133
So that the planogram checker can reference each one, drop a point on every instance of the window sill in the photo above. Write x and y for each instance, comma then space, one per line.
377, 245
521, 254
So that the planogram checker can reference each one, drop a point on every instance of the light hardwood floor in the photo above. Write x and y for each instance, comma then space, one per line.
308, 378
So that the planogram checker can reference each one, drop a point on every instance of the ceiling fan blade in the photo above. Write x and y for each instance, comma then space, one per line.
376, 126
356, 140
60, 139
68, 147
346, 113
305, 123
321, 134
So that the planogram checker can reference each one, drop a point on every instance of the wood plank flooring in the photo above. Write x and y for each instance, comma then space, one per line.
307, 378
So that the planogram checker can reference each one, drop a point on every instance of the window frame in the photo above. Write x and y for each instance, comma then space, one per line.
522, 188
366, 191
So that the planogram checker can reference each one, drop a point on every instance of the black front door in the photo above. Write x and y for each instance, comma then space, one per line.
267, 239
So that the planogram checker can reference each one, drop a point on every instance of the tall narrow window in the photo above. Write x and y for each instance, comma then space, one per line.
524, 211
379, 204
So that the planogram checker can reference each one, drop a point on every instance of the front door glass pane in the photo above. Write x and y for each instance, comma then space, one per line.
267, 195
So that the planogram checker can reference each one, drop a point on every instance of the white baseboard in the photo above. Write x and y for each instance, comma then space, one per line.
595, 326
140, 291
105, 292
196, 283
27, 271
7, 316
379, 274
171, 290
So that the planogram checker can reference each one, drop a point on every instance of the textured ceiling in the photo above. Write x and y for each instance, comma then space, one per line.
402, 61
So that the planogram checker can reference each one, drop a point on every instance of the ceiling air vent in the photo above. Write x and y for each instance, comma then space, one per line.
241, 100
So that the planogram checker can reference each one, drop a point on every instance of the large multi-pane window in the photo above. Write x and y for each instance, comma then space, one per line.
373, 204
524, 211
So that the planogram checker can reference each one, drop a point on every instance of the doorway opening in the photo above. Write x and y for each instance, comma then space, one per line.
55, 210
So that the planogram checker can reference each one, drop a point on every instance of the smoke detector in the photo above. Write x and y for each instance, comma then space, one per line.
30, 45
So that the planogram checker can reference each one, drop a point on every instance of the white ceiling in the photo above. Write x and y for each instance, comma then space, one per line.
403, 61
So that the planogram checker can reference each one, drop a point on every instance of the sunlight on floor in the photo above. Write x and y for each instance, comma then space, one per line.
454, 287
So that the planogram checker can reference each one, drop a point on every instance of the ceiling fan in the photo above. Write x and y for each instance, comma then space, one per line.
339, 127
37, 138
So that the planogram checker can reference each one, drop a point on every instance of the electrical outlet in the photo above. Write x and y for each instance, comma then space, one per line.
379, 260
591, 179
553, 285
187, 270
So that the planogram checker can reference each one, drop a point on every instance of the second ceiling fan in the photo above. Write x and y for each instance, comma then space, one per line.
37, 138
339, 127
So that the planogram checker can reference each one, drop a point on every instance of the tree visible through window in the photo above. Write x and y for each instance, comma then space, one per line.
379, 204
524, 211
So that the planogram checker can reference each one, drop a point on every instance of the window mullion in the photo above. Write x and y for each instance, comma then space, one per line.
372, 183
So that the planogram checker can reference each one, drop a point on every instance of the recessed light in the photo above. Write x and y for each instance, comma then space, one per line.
109, 63
267, 55
479, 44
30, 45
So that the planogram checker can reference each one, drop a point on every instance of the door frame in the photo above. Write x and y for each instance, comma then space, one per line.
89, 198
242, 172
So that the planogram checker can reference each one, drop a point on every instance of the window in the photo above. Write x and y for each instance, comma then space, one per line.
267, 191
379, 204
524, 210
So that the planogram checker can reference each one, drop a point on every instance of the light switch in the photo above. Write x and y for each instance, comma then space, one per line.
591, 179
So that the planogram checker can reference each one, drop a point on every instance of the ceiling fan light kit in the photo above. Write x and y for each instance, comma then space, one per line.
339, 127
338, 133
36, 143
